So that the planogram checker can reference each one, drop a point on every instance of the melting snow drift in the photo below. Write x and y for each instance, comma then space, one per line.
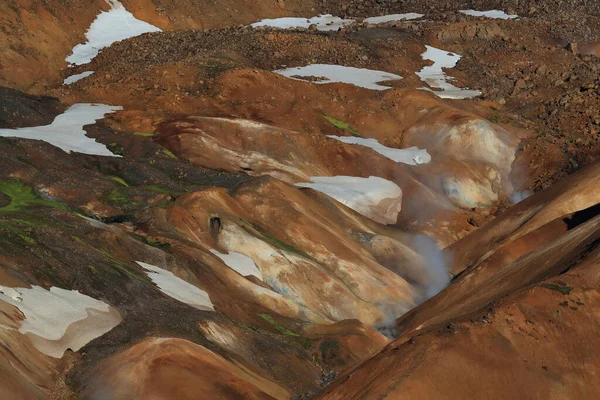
177, 288
240, 263
59, 319
392, 17
373, 197
76, 78
109, 27
323, 22
410, 156
66, 131
436, 78
328, 22
365, 78
496, 14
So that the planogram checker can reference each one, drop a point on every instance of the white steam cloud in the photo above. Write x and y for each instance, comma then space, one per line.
436, 272
517, 197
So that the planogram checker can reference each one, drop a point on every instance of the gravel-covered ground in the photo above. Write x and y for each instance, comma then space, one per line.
529, 75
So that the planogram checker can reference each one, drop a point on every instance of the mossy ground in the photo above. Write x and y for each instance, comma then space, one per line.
343, 126
269, 238
119, 180
561, 289
293, 338
169, 154
22, 196
280, 328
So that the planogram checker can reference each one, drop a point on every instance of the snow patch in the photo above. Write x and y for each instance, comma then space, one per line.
328, 22
392, 17
496, 14
435, 77
76, 78
325, 22
66, 131
411, 156
240, 263
373, 197
49, 314
109, 27
244, 123
177, 288
361, 77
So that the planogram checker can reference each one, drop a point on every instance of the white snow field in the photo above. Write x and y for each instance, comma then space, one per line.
66, 131
411, 156
373, 197
328, 22
76, 78
57, 319
361, 77
435, 77
495, 14
325, 22
392, 17
240, 263
177, 288
109, 27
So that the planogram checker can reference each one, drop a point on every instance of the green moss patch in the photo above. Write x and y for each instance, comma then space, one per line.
118, 196
118, 267
21, 228
22, 196
248, 328
561, 289
157, 243
115, 148
269, 238
18, 230
343, 126
280, 328
169, 154
118, 180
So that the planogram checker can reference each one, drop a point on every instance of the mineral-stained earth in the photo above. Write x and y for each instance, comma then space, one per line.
299, 199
